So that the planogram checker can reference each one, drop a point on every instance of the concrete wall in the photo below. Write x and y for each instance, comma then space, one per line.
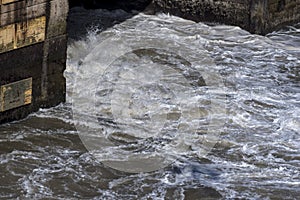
269, 15
32, 55
127, 5
256, 16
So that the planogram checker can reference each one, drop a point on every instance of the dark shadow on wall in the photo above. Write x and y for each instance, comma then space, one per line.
126, 5
98, 15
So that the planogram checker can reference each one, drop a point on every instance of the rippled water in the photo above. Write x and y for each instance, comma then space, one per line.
186, 81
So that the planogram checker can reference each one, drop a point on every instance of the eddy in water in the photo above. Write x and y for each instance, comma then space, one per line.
213, 109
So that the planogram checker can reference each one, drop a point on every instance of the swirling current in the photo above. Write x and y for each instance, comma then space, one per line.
221, 103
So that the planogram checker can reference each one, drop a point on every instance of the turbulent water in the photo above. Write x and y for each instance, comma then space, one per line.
215, 109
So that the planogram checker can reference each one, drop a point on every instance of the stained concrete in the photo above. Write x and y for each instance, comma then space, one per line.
33, 44
126, 5
256, 16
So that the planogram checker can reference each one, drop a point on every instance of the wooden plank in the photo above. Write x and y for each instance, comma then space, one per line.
13, 6
21, 4
30, 32
8, 1
7, 38
22, 34
15, 94
23, 14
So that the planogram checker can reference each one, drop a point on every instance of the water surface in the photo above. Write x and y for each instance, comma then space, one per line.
257, 155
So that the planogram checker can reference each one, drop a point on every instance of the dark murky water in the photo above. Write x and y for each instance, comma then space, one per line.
256, 156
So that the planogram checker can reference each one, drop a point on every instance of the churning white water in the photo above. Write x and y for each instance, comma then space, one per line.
202, 112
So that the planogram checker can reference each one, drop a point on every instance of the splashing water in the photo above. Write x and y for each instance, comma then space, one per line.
159, 100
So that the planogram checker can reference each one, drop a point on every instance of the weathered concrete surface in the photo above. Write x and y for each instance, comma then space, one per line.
112, 4
256, 16
32, 56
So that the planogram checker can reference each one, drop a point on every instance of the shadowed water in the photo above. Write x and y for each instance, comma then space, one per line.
257, 155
